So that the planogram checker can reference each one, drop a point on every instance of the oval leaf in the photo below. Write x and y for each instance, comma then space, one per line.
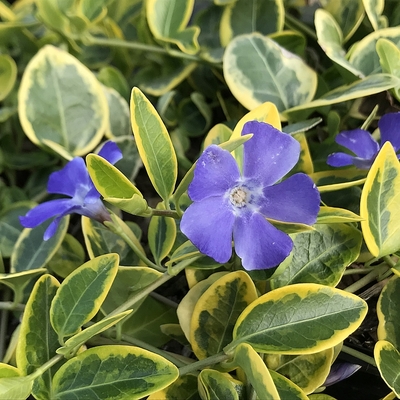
113, 372
8, 75
60, 100
216, 386
387, 360
81, 294
299, 319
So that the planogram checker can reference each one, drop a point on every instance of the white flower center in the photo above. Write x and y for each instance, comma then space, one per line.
238, 196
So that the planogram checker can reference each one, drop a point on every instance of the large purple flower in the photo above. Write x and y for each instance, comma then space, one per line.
364, 146
73, 181
229, 205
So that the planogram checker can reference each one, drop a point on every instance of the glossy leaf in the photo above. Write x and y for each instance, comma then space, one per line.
32, 252
38, 341
154, 144
299, 319
330, 38
364, 56
256, 372
15, 388
81, 295
307, 371
389, 55
380, 204
216, 312
168, 21
274, 74
333, 215
114, 186
216, 385
387, 359
117, 372
218, 134
185, 387
374, 9
8, 75
241, 17
388, 311
61, 101
100, 240
330, 249
286, 388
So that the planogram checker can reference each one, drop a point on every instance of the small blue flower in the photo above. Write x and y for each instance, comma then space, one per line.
73, 181
364, 146
339, 372
229, 205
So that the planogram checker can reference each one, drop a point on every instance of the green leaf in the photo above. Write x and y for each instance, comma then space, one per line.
387, 360
75, 342
374, 9
113, 78
218, 134
286, 388
380, 204
388, 311
8, 75
15, 388
241, 17
161, 236
216, 312
154, 145
333, 215
274, 74
299, 319
113, 372
216, 385
114, 186
364, 56
307, 371
100, 240
38, 341
330, 38
81, 295
330, 249
120, 292
256, 372
185, 387
389, 58
366, 87
61, 101
168, 21
32, 252
119, 122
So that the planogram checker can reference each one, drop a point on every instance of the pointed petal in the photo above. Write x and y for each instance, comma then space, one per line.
389, 125
72, 178
359, 141
296, 199
269, 155
215, 173
258, 243
44, 211
111, 152
209, 225
340, 160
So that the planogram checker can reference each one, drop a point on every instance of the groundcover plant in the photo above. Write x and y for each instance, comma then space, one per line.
199, 199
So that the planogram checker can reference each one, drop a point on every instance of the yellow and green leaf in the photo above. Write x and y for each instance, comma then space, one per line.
387, 359
215, 385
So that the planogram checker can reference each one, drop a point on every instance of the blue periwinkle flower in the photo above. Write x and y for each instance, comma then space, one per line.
364, 146
228, 204
340, 371
73, 181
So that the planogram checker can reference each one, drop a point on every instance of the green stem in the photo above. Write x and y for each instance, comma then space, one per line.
365, 280
217, 358
359, 355
165, 213
142, 294
293, 22
389, 261
46, 366
355, 271
164, 300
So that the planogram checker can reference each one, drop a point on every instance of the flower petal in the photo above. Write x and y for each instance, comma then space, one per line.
216, 172
340, 371
296, 199
209, 225
359, 141
258, 243
270, 154
340, 159
389, 125
111, 152
74, 176
44, 211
